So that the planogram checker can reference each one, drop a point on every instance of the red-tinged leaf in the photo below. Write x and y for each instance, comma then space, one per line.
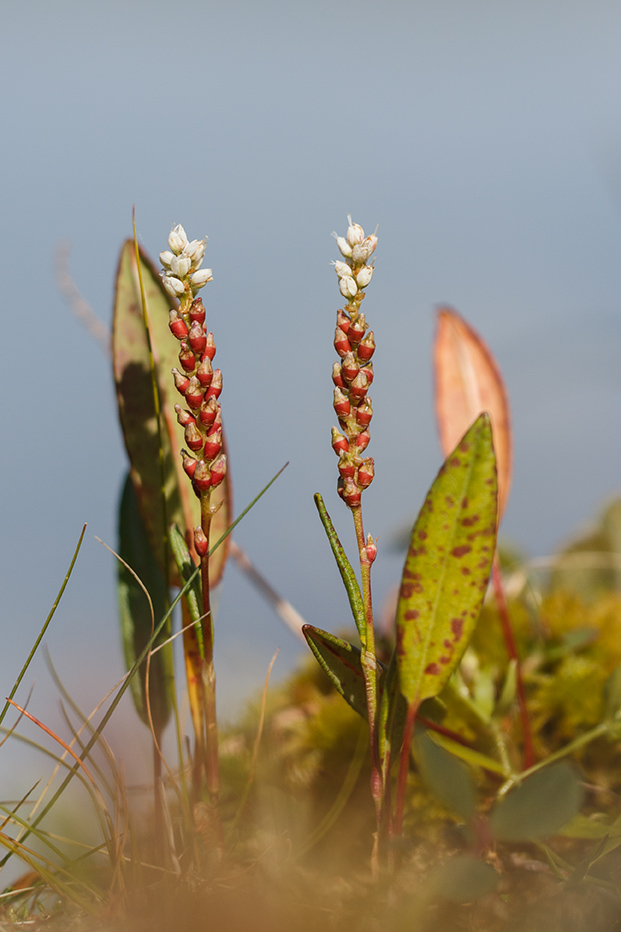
132, 375
447, 566
467, 382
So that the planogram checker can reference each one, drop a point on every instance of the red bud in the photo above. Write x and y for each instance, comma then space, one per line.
349, 367
341, 343
366, 472
197, 311
187, 358
201, 544
370, 549
364, 413
189, 464
193, 437
368, 371
202, 477
208, 411
337, 378
215, 389
204, 373
362, 441
178, 326
340, 443
210, 347
197, 338
184, 417
213, 444
349, 492
366, 347
218, 470
356, 329
342, 320
194, 393
346, 467
342, 404
181, 381
358, 388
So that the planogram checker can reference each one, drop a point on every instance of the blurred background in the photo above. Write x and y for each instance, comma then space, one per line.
485, 140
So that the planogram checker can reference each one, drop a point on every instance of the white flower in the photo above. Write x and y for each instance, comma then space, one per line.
198, 279
195, 251
348, 287
355, 233
180, 265
342, 269
344, 247
173, 286
364, 276
177, 239
166, 258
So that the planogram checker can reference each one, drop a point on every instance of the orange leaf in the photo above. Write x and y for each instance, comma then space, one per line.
467, 382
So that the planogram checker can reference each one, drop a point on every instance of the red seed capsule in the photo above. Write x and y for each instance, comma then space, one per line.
197, 311
210, 347
194, 393
204, 373
178, 326
181, 381
215, 389
187, 358
366, 347
341, 343
197, 338
193, 438
202, 477
340, 443
201, 544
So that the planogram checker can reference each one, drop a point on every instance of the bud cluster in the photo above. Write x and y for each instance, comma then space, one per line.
353, 374
195, 379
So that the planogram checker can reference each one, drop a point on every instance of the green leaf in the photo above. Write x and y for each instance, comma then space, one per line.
341, 661
463, 879
135, 612
132, 375
447, 566
186, 568
345, 568
540, 806
445, 776
612, 697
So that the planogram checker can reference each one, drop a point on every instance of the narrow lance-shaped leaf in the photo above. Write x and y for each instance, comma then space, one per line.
447, 566
136, 618
132, 376
467, 382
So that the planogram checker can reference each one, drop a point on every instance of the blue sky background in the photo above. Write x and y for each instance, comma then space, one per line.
483, 137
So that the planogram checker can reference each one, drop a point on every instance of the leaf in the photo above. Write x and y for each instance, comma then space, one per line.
447, 566
135, 613
445, 776
463, 879
540, 806
467, 382
132, 375
341, 661
345, 568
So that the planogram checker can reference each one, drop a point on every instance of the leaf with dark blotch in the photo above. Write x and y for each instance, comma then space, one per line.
132, 375
540, 806
136, 618
467, 382
447, 566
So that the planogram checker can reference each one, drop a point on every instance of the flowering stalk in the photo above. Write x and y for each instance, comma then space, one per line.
205, 465
352, 377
